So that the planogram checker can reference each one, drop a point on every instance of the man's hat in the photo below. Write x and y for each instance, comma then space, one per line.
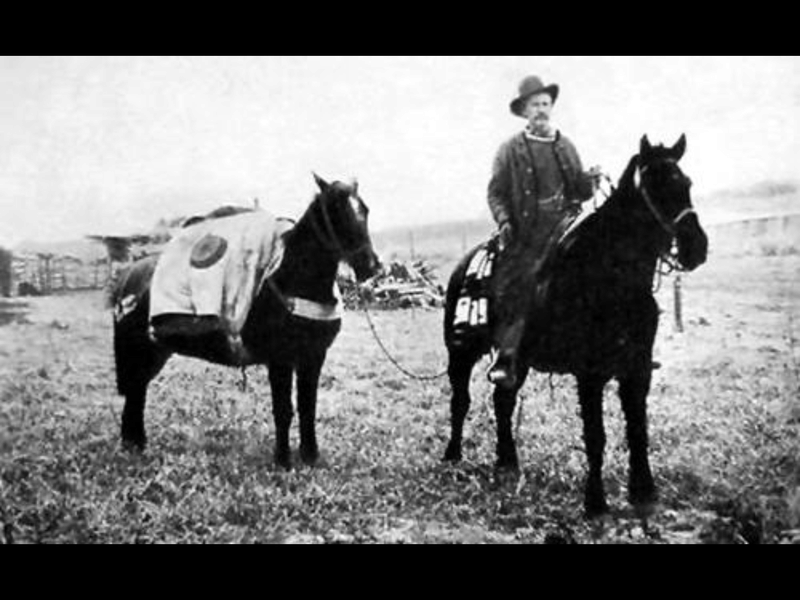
528, 87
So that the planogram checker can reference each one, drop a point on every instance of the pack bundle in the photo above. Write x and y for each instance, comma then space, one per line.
472, 312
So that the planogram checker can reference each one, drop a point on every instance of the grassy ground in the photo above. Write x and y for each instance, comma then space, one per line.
724, 418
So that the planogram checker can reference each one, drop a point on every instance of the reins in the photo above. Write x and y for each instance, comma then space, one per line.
667, 261
328, 238
668, 226
388, 354
667, 264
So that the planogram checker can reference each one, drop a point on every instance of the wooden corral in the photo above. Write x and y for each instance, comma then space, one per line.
122, 250
43, 273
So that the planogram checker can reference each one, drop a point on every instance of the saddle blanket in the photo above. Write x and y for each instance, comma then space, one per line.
475, 309
215, 268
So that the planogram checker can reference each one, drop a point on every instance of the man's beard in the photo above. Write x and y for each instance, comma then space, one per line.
541, 126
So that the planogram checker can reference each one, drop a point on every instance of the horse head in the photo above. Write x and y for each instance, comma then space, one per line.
341, 223
666, 191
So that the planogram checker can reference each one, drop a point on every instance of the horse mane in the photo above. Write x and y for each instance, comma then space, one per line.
601, 217
307, 219
625, 185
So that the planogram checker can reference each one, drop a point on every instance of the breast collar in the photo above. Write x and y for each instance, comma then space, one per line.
309, 309
300, 307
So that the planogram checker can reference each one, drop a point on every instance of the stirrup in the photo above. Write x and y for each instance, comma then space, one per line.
502, 375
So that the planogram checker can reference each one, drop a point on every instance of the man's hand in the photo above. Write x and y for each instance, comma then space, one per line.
596, 175
506, 236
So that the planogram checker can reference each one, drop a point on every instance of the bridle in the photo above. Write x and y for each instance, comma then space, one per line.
326, 234
668, 259
670, 226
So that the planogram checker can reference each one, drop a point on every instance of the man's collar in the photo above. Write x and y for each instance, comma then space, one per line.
540, 138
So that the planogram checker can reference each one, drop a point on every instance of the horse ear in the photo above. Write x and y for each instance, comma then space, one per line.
355, 186
680, 147
323, 185
644, 145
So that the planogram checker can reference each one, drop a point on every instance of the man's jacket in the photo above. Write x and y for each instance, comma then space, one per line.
512, 188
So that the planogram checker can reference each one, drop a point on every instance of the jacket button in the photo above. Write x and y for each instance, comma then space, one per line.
527, 192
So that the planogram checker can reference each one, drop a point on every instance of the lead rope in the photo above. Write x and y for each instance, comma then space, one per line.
386, 352
243, 385
666, 265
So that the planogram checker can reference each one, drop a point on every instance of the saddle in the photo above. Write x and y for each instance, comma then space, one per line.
475, 313
471, 318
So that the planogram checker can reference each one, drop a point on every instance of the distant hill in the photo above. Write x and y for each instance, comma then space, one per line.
440, 244
443, 243
762, 189
763, 199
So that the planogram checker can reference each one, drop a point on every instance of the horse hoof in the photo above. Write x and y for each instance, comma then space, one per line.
452, 454
645, 510
506, 474
595, 509
312, 459
509, 463
283, 462
644, 500
134, 446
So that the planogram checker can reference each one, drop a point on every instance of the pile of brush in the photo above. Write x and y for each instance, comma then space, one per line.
400, 285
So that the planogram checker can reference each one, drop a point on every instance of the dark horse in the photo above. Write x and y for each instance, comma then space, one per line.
333, 228
596, 317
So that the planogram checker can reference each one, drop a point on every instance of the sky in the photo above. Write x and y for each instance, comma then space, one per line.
109, 145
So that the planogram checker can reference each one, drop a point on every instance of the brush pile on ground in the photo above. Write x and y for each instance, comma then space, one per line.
400, 285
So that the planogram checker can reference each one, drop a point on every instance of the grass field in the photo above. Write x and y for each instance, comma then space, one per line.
724, 422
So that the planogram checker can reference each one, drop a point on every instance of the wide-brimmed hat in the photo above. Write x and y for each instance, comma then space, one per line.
528, 87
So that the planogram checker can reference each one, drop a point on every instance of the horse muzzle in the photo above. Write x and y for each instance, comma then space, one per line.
366, 265
692, 244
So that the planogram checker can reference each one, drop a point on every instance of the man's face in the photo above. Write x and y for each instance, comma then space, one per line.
537, 110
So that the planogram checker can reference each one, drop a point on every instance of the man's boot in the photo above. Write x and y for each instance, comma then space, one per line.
503, 371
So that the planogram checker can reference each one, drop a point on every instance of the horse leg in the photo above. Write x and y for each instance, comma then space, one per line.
308, 373
590, 393
135, 391
280, 379
633, 390
459, 371
504, 402
138, 360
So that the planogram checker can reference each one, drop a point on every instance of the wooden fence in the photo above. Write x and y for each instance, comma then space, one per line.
768, 235
35, 274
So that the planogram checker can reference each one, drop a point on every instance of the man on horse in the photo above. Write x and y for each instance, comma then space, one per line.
535, 193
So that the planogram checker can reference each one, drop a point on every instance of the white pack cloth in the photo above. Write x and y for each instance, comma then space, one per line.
216, 267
